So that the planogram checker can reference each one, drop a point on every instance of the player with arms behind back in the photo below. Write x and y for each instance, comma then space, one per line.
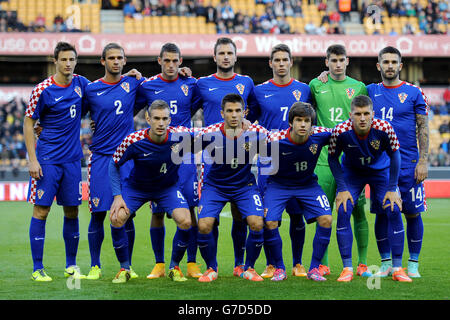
55, 161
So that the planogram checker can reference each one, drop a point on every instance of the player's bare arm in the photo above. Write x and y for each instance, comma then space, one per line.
421, 172
134, 73
34, 168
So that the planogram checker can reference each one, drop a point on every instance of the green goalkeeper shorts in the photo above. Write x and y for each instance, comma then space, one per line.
328, 184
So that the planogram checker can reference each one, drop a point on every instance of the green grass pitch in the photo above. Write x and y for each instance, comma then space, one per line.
16, 264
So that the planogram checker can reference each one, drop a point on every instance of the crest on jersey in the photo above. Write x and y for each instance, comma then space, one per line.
185, 89
247, 146
313, 148
240, 87
350, 92
402, 97
40, 193
96, 201
175, 147
125, 86
375, 144
200, 209
297, 94
78, 91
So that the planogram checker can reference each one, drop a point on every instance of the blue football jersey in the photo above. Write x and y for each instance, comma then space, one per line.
177, 93
58, 109
364, 153
399, 105
231, 157
210, 90
294, 163
273, 102
153, 165
111, 106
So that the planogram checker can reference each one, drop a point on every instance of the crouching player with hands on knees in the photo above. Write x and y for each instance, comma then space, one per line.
293, 177
366, 142
153, 178
231, 146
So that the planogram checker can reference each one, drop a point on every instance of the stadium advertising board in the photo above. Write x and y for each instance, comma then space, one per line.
202, 45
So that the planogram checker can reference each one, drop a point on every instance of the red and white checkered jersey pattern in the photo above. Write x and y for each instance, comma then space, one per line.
129, 140
423, 95
35, 94
337, 130
377, 124
385, 126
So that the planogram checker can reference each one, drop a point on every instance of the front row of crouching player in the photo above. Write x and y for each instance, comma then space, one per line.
370, 156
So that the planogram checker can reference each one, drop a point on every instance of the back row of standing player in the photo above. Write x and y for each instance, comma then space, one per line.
110, 101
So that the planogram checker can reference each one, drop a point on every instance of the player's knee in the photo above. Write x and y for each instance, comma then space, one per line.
271, 225
40, 212
71, 212
255, 223
204, 226
183, 218
325, 221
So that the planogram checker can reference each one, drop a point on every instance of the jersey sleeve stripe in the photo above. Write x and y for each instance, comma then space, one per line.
384, 126
337, 130
35, 95
128, 141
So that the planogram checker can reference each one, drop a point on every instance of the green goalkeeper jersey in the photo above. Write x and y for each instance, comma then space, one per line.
332, 100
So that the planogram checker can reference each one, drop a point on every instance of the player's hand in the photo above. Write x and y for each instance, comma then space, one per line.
117, 204
323, 77
394, 198
421, 171
92, 125
341, 198
185, 72
246, 124
35, 170
37, 130
134, 73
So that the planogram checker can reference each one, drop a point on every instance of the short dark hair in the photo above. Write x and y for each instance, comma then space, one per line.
224, 40
280, 47
301, 109
63, 46
336, 49
389, 49
169, 47
110, 46
232, 97
157, 105
361, 101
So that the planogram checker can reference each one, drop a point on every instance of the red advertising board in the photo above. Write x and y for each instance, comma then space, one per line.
201, 45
